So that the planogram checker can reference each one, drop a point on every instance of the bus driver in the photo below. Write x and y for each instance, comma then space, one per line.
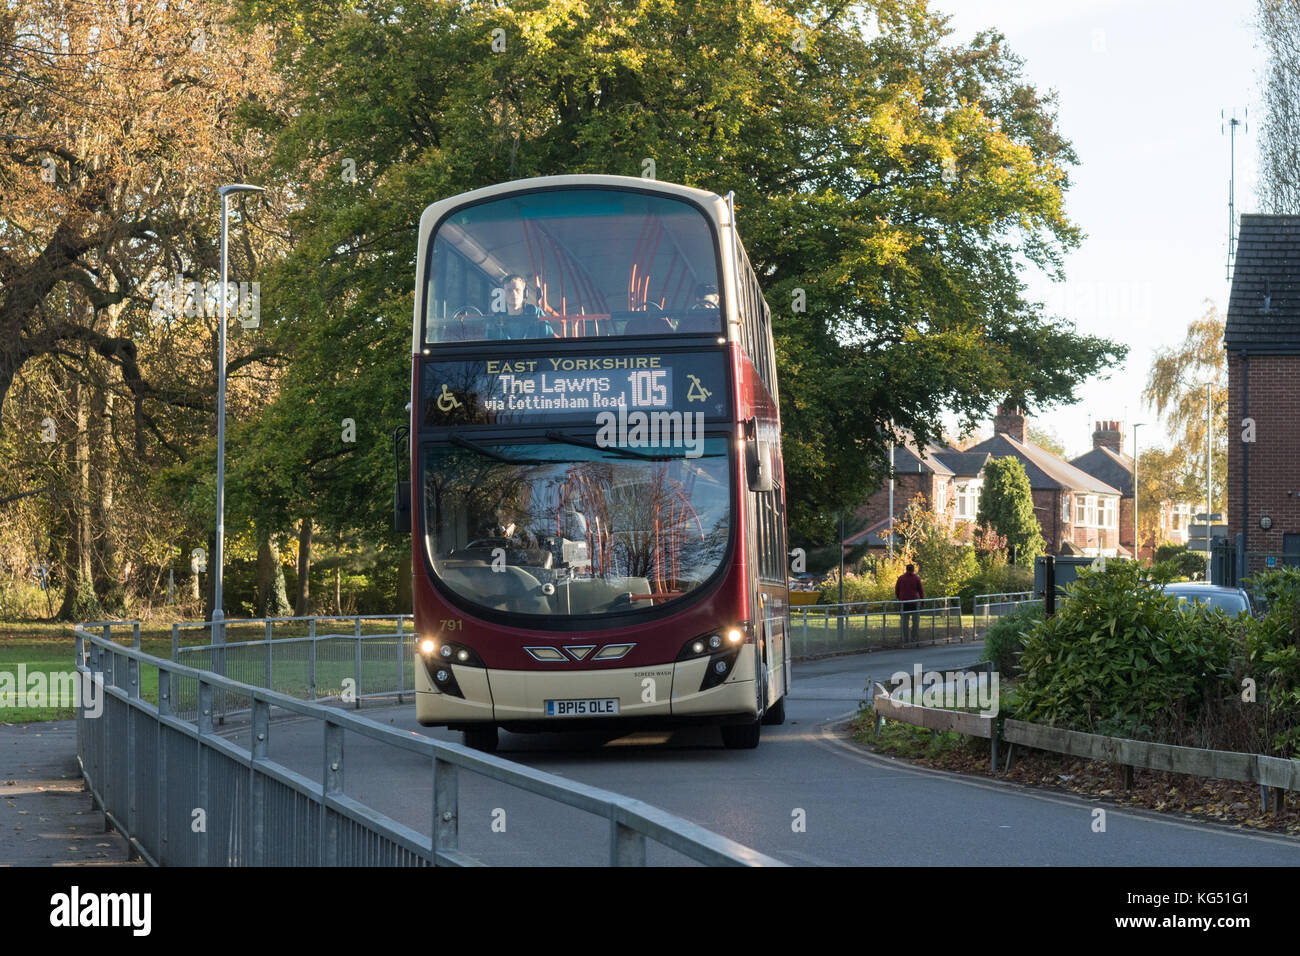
519, 320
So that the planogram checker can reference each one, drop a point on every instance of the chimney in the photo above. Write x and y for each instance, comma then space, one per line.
1011, 420
1108, 435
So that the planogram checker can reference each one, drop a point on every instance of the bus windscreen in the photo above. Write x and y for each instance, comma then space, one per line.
553, 530
572, 263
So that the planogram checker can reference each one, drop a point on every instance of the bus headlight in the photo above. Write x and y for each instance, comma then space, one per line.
722, 649
433, 651
437, 658
722, 641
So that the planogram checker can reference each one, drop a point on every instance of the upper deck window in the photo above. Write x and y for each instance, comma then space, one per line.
572, 263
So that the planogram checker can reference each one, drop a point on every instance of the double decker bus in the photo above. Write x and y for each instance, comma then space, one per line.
596, 499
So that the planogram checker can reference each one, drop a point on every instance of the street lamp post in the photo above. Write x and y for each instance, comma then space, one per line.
1137, 540
1209, 494
218, 615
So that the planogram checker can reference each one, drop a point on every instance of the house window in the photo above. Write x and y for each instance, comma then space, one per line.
1108, 513
940, 496
968, 500
1085, 511
1065, 508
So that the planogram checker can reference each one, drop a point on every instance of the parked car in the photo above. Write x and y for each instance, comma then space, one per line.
1231, 601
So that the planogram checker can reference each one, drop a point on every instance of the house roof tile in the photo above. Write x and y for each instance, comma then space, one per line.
1045, 470
1264, 305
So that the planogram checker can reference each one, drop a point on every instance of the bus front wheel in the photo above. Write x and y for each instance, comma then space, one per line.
482, 738
740, 736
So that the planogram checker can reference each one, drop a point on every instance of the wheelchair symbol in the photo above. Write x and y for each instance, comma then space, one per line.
447, 401
697, 392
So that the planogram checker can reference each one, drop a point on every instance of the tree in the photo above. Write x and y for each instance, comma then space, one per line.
1162, 477
1176, 388
1046, 439
943, 561
117, 122
894, 185
1007, 506
1278, 22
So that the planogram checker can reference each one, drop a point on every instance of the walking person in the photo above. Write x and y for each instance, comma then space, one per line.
910, 591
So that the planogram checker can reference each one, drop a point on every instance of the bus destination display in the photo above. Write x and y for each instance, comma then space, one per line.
523, 389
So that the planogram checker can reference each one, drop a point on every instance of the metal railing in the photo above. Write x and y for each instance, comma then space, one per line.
990, 608
830, 628
155, 774
323, 664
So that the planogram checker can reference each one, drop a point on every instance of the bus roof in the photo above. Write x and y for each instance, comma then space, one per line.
714, 206
434, 211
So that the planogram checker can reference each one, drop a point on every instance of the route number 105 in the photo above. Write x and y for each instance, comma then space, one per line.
648, 388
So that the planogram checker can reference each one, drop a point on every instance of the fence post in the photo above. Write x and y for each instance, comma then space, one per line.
176, 641
311, 660
804, 611
446, 823
626, 846
356, 663
200, 856
331, 783
160, 778
132, 783
257, 781
401, 662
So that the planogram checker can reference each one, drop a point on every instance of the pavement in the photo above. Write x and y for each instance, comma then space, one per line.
47, 817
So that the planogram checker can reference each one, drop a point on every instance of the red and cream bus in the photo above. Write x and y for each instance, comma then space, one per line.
596, 502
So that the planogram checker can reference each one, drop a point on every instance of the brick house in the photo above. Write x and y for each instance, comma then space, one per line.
1074, 509
949, 479
1262, 338
1108, 464
1076, 512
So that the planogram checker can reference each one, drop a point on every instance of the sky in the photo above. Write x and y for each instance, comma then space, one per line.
1140, 86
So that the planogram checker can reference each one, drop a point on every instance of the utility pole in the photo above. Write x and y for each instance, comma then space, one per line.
1209, 501
1230, 126
218, 615
1137, 539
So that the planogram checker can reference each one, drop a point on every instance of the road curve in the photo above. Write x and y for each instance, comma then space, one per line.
806, 795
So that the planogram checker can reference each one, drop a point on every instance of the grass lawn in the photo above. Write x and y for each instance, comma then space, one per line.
49, 648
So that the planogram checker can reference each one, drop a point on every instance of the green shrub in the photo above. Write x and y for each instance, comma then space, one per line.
996, 578
1120, 658
872, 585
1186, 565
1273, 656
1005, 639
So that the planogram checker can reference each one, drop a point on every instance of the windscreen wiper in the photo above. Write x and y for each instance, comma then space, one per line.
494, 455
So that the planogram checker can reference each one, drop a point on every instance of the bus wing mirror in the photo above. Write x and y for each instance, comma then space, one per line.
402, 507
758, 458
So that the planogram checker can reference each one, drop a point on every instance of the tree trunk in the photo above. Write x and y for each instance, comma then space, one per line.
79, 601
338, 589
302, 606
209, 595
404, 585
111, 575
271, 599
338, 578
108, 586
